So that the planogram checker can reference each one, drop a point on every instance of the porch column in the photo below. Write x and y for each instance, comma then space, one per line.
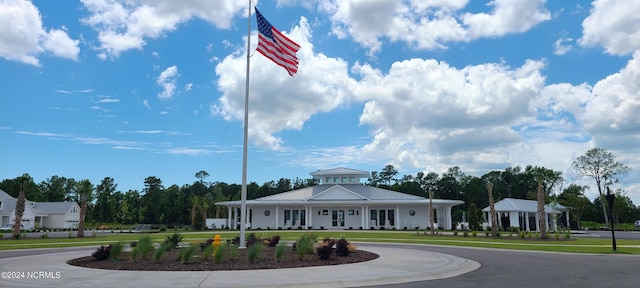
567, 218
228, 217
363, 220
366, 218
448, 218
537, 222
277, 216
309, 216
397, 217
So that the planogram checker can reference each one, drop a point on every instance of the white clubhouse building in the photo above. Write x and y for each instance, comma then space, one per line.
341, 202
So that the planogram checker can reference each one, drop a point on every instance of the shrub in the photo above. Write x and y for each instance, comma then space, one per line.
102, 253
253, 253
342, 247
488, 234
304, 245
207, 252
465, 233
219, 254
142, 248
251, 239
274, 240
280, 251
455, 233
233, 252
522, 234
557, 235
174, 239
160, 251
187, 253
325, 248
116, 250
567, 235
474, 233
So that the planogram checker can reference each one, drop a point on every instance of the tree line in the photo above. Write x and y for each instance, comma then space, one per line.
190, 204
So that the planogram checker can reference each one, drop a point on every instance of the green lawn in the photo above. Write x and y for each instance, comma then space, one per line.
574, 245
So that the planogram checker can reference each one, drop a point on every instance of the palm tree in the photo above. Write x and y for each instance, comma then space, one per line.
492, 211
85, 194
431, 220
542, 219
19, 212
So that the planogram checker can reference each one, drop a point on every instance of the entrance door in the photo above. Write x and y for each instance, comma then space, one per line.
337, 218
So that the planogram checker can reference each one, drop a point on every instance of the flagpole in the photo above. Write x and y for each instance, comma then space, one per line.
243, 197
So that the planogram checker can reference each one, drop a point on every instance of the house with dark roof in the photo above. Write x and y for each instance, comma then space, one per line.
524, 214
40, 214
341, 202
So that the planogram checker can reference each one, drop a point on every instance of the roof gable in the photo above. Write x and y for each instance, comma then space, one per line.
337, 192
5, 195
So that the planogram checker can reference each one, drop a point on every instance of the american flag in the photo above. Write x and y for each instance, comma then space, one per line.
275, 46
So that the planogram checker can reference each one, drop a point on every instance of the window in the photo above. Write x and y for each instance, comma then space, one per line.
351, 212
344, 179
412, 212
267, 212
336, 179
352, 179
327, 179
325, 212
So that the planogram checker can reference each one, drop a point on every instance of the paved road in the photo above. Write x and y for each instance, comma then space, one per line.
503, 268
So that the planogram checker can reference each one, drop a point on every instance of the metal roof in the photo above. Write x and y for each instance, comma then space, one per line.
337, 194
339, 171
522, 205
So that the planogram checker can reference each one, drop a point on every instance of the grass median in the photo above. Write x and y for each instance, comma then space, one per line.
571, 245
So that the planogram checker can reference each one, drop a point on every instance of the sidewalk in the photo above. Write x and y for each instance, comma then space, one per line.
394, 265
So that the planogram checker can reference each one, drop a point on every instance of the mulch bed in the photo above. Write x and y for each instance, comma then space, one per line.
169, 261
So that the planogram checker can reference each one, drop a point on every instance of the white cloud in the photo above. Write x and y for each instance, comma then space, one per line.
167, 80
560, 48
27, 37
124, 24
508, 16
188, 87
614, 25
429, 24
279, 102
613, 111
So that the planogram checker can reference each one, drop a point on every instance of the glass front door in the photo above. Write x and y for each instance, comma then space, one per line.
337, 218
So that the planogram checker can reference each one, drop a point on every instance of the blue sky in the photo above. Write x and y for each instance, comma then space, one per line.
138, 88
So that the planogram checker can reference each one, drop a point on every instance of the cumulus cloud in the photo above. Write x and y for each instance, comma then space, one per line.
613, 111
167, 80
277, 101
614, 25
428, 108
27, 37
124, 25
507, 16
429, 24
